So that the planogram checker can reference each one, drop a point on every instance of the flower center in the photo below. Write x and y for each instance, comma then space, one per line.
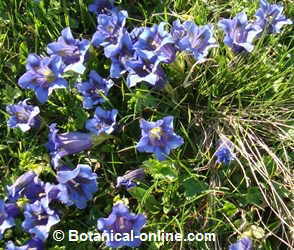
22, 116
48, 75
121, 223
156, 133
74, 183
41, 217
69, 51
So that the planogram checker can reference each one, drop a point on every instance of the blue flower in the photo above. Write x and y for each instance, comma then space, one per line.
158, 137
243, 244
127, 180
72, 51
51, 191
8, 211
270, 17
43, 75
195, 40
93, 89
224, 152
39, 218
103, 121
27, 186
156, 44
118, 61
34, 243
110, 30
23, 116
101, 6
60, 145
140, 70
123, 222
239, 34
77, 185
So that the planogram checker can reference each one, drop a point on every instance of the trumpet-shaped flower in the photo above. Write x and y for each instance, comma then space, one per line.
127, 180
242, 244
195, 40
39, 218
60, 145
224, 152
145, 71
23, 116
239, 34
158, 137
101, 6
76, 185
43, 75
110, 31
121, 221
270, 17
72, 51
94, 89
8, 212
103, 121
28, 185
156, 44
118, 62
32, 244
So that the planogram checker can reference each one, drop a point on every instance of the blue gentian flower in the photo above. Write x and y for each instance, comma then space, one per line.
60, 145
93, 89
242, 244
103, 121
32, 244
156, 44
23, 116
8, 212
43, 75
39, 218
101, 6
77, 185
140, 70
110, 30
270, 17
118, 62
123, 222
51, 191
127, 180
193, 39
224, 153
158, 137
72, 51
28, 186
239, 34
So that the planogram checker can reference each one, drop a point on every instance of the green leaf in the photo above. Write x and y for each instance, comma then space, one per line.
10, 94
98, 139
2, 147
229, 208
254, 196
161, 170
143, 196
193, 187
